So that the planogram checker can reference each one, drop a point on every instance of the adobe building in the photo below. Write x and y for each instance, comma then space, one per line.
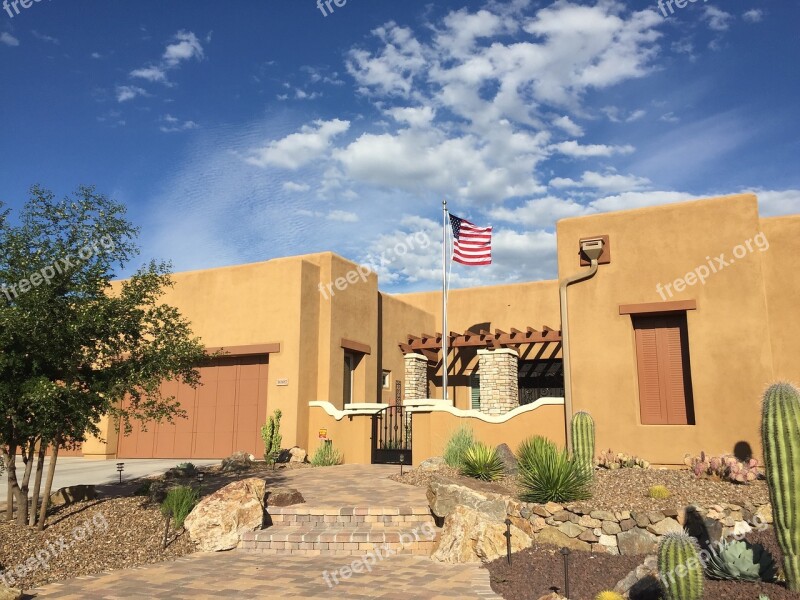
688, 312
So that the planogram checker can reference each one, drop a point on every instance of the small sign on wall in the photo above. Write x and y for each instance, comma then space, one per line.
323, 434
283, 382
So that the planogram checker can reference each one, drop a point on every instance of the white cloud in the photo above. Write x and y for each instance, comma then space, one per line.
96, 55
777, 202
607, 182
45, 38
8, 39
152, 73
291, 186
541, 212
718, 19
568, 125
576, 150
635, 116
343, 216
421, 116
185, 47
298, 149
129, 92
755, 15
173, 124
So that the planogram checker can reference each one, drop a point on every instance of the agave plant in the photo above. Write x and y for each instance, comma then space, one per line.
482, 462
550, 475
741, 561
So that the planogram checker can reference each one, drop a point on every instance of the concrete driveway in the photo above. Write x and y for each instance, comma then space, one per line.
77, 471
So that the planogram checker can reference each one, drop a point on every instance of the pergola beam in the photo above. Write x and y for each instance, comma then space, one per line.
430, 344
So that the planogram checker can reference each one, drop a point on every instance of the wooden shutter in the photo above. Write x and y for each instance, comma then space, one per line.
475, 383
662, 353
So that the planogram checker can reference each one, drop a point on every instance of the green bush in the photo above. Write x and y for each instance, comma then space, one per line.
326, 455
547, 474
179, 503
456, 449
659, 492
482, 462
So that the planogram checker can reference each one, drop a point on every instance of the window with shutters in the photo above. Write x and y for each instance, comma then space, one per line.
475, 388
665, 381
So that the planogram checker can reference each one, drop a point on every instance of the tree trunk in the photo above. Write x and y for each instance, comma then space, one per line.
48, 485
22, 489
37, 485
11, 467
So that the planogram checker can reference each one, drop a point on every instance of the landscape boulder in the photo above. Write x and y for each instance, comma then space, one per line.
284, 497
444, 495
182, 471
218, 520
432, 464
636, 541
238, 461
642, 582
72, 494
468, 536
510, 462
297, 455
7, 593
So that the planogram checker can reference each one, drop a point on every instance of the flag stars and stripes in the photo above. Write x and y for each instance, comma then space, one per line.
472, 244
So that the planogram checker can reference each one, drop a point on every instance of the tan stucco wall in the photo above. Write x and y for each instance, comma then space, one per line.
432, 430
782, 285
350, 436
731, 358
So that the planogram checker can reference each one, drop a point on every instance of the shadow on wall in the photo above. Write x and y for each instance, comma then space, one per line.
743, 451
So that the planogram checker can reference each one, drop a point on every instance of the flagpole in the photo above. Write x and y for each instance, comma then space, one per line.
445, 330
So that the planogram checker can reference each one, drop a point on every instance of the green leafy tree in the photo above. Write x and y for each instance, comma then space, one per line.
73, 345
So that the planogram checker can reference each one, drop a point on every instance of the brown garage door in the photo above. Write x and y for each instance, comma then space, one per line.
223, 415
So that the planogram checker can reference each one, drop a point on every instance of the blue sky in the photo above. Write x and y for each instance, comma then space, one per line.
239, 132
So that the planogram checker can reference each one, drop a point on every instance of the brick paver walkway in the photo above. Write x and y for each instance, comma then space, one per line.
238, 575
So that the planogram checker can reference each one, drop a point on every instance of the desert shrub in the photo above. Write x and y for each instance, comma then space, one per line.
619, 460
726, 467
548, 474
659, 492
456, 449
482, 462
326, 455
179, 503
609, 595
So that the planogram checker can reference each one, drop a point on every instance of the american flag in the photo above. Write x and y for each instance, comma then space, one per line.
473, 245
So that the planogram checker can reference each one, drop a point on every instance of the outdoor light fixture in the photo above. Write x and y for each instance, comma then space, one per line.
507, 535
120, 469
565, 553
402, 461
200, 477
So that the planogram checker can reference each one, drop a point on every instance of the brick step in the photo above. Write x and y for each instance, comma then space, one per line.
355, 541
353, 516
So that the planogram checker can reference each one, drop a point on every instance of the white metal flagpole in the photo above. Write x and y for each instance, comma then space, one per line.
445, 331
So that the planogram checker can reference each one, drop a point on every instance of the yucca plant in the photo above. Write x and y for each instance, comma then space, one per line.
456, 449
179, 503
482, 462
326, 455
741, 561
659, 492
547, 474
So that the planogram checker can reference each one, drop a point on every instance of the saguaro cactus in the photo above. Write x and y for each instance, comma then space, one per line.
583, 439
271, 434
679, 567
780, 435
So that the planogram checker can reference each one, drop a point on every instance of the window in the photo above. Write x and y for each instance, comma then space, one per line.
386, 379
475, 391
665, 381
350, 362
543, 378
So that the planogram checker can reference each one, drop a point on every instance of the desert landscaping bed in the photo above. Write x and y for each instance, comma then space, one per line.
539, 570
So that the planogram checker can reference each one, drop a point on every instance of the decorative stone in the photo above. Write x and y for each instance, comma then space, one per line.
571, 529
641, 519
741, 528
553, 508
218, 520
444, 495
642, 582
627, 524
671, 512
510, 463
7, 593
238, 461
562, 516
72, 494
622, 515
636, 541
468, 536
611, 528
542, 512
553, 537
603, 515
432, 464
284, 497
588, 536
525, 512
609, 541
499, 380
763, 514
416, 372
587, 521
297, 455
655, 516
538, 523
664, 527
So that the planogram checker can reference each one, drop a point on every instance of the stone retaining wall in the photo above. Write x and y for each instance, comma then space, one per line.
598, 531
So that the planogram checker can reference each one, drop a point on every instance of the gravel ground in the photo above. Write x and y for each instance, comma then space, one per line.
626, 489
534, 572
87, 538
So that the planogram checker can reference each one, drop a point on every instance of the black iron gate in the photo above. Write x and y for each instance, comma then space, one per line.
391, 436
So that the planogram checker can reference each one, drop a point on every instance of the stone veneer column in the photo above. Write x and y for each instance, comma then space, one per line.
499, 384
416, 377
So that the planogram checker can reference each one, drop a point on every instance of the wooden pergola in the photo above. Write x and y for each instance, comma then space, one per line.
429, 345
